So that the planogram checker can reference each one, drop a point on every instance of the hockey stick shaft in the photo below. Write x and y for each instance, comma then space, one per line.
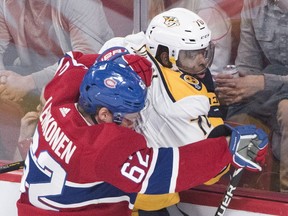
229, 192
11, 167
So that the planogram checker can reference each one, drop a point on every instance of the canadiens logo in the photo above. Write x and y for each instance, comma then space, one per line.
192, 81
171, 21
110, 83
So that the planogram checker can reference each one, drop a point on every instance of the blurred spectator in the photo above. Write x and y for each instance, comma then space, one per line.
10, 116
34, 35
155, 7
261, 91
41, 31
27, 128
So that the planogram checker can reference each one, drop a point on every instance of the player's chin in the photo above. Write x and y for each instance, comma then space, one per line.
200, 72
128, 124
200, 75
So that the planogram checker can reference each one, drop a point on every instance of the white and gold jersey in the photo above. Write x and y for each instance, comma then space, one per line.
177, 108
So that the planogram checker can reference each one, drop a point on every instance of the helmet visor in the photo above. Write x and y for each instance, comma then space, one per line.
195, 61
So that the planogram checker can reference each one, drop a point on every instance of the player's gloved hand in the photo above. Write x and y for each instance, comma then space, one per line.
141, 66
248, 146
137, 63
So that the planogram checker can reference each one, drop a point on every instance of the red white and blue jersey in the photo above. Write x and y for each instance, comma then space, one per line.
91, 169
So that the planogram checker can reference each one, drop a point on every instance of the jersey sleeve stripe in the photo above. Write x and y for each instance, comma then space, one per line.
175, 170
150, 171
160, 180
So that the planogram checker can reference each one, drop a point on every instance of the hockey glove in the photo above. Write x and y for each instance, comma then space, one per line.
248, 146
141, 66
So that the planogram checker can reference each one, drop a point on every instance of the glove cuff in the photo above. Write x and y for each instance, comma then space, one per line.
221, 130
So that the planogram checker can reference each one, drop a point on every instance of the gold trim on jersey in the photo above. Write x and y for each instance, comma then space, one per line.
179, 85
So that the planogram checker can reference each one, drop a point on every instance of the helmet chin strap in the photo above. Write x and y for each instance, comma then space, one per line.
117, 118
174, 66
93, 119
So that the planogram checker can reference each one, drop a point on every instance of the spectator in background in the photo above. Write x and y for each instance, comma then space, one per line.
41, 31
261, 91
27, 128
155, 7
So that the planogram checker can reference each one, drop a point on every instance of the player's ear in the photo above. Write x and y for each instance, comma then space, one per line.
104, 115
164, 56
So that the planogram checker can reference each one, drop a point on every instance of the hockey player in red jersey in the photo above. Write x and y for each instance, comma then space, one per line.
85, 158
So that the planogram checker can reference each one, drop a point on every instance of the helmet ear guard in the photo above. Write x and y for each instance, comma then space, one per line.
116, 87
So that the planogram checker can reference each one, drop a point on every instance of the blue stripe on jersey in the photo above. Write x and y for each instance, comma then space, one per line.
73, 196
35, 176
162, 173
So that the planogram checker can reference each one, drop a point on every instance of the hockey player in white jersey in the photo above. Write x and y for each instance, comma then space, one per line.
181, 105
